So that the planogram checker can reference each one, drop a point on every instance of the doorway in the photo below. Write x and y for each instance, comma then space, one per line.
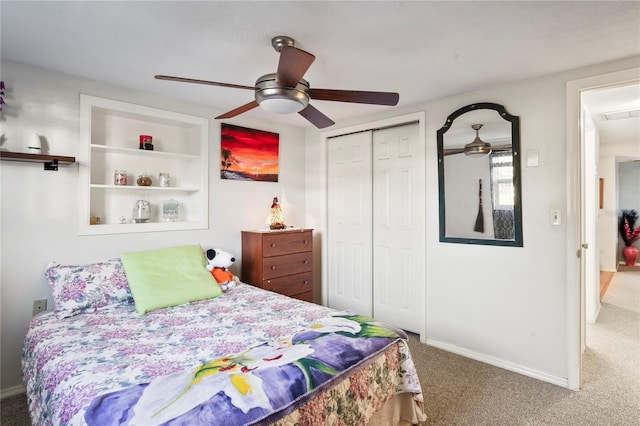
583, 208
610, 142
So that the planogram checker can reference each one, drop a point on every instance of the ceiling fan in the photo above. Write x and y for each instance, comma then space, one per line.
286, 92
478, 147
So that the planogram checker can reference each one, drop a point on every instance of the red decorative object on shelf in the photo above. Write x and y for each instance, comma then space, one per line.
630, 254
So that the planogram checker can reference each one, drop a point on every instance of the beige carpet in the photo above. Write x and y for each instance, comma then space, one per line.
460, 391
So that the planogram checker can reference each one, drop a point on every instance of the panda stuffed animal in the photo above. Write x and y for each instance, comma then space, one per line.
218, 262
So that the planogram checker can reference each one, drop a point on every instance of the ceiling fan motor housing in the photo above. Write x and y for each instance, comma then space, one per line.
477, 148
281, 100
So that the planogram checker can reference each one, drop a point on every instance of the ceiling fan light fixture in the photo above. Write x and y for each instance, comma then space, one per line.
278, 104
281, 100
477, 148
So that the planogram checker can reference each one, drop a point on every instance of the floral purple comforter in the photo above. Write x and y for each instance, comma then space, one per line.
155, 368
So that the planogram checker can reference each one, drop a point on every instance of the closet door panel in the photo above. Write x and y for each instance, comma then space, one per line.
349, 224
398, 227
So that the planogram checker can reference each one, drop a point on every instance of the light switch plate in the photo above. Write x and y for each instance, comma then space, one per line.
555, 217
533, 158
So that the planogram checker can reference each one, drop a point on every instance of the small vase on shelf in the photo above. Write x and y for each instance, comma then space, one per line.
630, 254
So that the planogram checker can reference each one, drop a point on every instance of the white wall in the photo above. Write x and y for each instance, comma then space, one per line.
502, 305
39, 212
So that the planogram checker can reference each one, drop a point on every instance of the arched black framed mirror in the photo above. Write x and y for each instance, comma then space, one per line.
479, 177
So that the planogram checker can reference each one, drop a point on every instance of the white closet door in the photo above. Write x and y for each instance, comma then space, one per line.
349, 224
399, 227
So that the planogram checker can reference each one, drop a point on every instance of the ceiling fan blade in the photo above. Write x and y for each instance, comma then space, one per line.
293, 64
211, 83
316, 118
360, 97
452, 151
239, 110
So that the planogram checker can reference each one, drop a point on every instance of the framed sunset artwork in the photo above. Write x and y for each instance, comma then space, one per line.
248, 154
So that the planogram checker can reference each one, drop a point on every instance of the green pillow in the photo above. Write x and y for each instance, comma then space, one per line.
168, 277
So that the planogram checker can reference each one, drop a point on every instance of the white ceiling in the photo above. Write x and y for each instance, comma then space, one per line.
423, 50
613, 99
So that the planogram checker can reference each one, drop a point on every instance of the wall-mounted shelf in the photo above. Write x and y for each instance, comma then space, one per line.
50, 162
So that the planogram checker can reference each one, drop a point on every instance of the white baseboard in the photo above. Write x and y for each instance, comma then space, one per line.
12, 391
497, 362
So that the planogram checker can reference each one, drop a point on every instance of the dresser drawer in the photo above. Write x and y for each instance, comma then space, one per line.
286, 243
290, 285
307, 296
279, 266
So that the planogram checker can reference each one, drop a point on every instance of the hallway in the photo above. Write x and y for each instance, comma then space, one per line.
611, 367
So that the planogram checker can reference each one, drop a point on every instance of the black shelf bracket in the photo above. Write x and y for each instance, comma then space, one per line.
51, 165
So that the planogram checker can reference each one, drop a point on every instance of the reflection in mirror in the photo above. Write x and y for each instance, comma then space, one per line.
479, 177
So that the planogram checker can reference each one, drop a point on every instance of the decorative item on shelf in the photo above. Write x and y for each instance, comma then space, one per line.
141, 211
170, 210
120, 177
146, 142
95, 219
164, 180
630, 234
275, 219
123, 220
144, 180
35, 144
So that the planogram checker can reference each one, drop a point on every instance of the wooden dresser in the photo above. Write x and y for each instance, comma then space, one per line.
280, 261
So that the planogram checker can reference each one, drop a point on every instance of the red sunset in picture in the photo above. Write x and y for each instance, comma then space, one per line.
248, 154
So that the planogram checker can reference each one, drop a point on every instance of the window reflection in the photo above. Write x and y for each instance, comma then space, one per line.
502, 195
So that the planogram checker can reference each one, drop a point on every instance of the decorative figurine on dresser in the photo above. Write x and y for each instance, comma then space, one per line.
280, 261
275, 219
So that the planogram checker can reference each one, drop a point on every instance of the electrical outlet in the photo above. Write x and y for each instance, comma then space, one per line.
39, 306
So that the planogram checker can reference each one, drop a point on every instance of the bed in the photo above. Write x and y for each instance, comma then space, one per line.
247, 356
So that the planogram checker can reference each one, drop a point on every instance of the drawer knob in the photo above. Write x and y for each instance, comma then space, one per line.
305, 241
305, 282
305, 262
273, 244
273, 268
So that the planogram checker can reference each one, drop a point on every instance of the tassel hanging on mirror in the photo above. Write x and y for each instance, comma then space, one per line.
479, 226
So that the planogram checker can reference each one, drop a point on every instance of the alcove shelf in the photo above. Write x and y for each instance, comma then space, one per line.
50, 162
109, 144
